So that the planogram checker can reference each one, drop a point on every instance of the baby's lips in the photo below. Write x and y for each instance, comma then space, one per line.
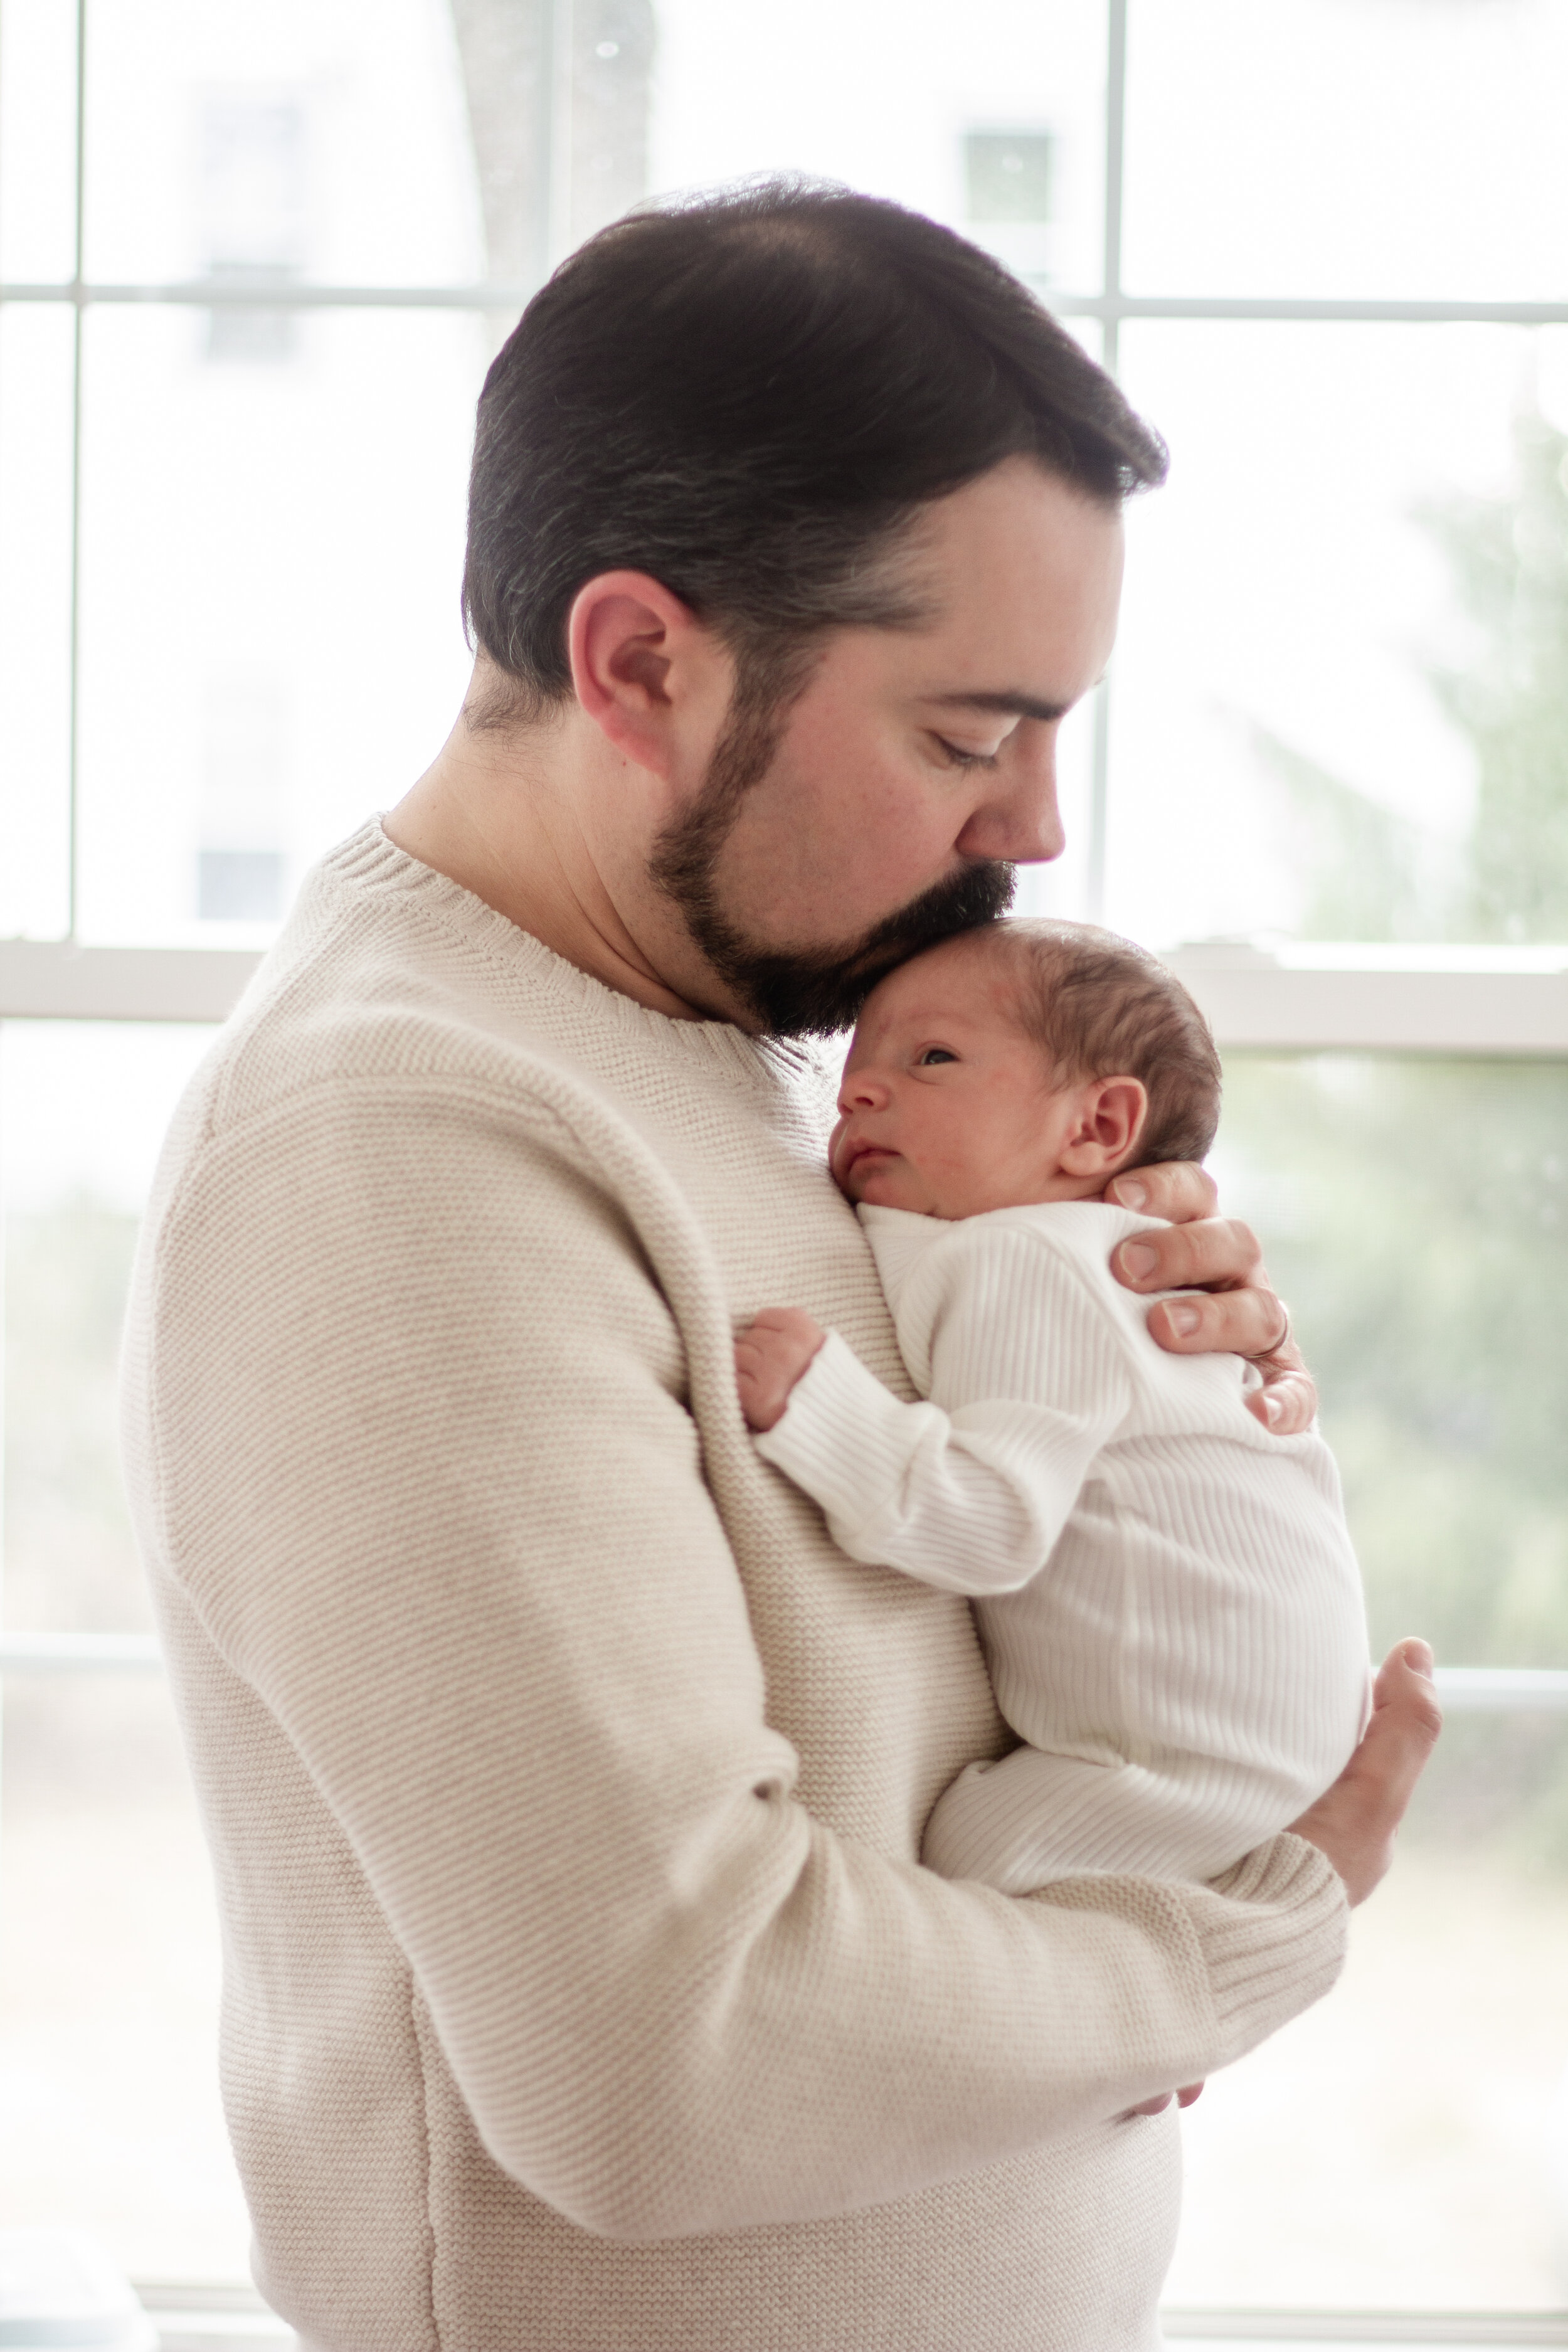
842, 1160
862, 1170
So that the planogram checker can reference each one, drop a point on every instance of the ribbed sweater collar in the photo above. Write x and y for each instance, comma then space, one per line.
369, 864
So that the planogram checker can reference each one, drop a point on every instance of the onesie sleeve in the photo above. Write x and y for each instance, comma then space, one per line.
971, 1494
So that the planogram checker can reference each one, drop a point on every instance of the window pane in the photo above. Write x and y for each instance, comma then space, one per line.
35, 424
1346, 147
1396, 2146
989, 117
1066, 887
314, 139
1063, 888
1416, 1217
38, 142
272, 554
1341, 691
83, 1106
110, 2117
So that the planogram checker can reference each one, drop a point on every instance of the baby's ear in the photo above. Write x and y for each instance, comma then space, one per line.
1111, 1120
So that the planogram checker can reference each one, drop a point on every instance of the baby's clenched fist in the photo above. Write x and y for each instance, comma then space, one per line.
771, 1354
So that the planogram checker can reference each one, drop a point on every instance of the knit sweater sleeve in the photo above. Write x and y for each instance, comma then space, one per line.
970, 1499
419, 1454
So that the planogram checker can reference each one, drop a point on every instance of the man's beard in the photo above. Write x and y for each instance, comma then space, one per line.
809, 992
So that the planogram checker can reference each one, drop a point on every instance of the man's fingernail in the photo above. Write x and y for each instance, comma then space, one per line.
1139, 1260
1272, 1407
1131, 1192
1184, 1321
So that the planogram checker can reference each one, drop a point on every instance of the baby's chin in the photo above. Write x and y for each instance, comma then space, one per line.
890, 1184
895, 1184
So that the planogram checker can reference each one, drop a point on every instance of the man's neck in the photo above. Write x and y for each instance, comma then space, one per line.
495, 812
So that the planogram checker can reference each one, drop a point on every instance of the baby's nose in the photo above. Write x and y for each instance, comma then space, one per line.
862, 1089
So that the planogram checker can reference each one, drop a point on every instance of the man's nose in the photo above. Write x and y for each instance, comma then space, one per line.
1019, 819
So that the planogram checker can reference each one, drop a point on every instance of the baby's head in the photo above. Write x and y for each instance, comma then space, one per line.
1023, 1061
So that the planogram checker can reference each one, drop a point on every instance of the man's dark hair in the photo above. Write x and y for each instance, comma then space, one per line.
1100, 1006
749, 395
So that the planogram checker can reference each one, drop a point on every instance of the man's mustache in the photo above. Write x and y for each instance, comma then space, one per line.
819, 992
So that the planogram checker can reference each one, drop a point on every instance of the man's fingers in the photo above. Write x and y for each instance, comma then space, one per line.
1286, 1403
1247, 1322
1353, 1823
1210, 1251
1406, 1718
1410, 1656
1228, 1307
1176, 1190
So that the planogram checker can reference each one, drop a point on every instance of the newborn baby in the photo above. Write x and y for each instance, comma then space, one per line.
1167, 1594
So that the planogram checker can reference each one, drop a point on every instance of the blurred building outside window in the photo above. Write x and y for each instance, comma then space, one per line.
252, 206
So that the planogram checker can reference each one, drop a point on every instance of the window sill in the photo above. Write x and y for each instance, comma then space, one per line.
202, 2317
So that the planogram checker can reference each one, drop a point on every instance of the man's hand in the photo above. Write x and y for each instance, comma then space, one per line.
1353, 1823
769, 1356
1201, 1252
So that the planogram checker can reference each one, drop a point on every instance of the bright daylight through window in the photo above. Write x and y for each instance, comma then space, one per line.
254, 262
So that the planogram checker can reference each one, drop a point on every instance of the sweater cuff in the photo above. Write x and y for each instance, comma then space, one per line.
1274, 1934
845, 1438
1250, 1951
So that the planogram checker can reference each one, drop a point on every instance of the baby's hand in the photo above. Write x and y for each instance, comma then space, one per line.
769, 1356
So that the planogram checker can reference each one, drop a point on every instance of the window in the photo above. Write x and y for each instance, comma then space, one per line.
252, 207
253, 264
1008, 175
1007, 191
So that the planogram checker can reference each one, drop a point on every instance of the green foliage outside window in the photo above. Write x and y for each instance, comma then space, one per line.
1415, 1214
1509, 560
1371, 873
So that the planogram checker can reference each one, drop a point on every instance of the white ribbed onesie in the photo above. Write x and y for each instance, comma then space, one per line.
1168, 1596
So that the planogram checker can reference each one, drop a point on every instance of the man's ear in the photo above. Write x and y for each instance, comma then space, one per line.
1112, 1112
646, 671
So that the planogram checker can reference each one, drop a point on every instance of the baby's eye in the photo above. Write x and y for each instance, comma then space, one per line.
932, 1053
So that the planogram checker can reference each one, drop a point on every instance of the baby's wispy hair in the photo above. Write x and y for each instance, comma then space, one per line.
1100, 1006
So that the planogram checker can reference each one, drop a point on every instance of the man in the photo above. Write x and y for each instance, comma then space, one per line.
582, 1989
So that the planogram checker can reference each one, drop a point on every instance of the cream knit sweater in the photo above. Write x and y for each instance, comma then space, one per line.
564, 1782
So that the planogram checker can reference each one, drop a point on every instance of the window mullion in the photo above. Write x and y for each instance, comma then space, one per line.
1110, 282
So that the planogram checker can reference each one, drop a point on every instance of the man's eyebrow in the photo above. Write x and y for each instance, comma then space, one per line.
1010, 701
